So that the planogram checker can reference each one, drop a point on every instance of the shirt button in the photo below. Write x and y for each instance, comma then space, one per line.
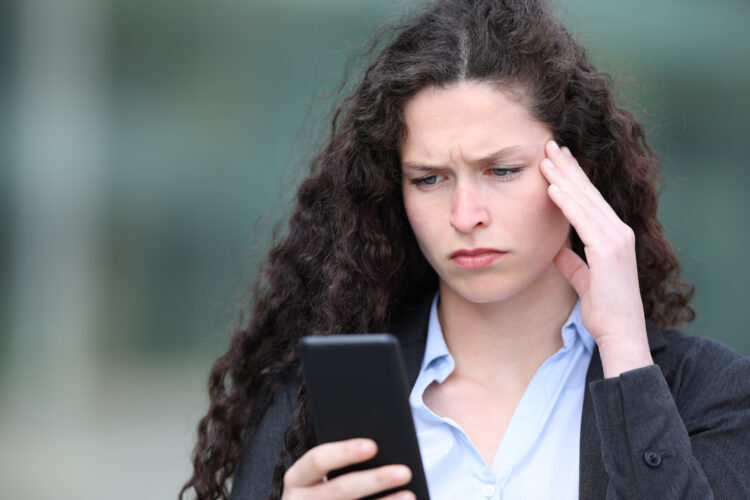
488, 491
652, 458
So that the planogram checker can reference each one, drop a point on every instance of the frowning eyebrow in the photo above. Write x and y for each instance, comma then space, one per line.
493, 158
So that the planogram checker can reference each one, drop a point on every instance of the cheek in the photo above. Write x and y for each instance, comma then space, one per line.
552, 214
553, 224
544, 224
418, 217
428, 223
411, 213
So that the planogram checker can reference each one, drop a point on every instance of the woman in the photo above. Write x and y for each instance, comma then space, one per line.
483, 198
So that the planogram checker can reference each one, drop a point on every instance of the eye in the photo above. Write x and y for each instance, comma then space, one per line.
504, 173
427, 180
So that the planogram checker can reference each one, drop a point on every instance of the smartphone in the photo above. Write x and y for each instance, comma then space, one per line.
356, 387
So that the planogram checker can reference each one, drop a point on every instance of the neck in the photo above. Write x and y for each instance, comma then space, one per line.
506, 341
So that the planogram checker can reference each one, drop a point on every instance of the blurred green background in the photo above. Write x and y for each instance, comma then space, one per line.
147, 148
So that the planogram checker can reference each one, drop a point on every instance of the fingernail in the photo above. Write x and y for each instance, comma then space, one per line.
554, 145
567, 152
405, 495
548, 163
554, 187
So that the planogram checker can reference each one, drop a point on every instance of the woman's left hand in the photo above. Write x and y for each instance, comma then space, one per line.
611, 305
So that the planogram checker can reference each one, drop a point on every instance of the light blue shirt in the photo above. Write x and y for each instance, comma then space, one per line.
538, 455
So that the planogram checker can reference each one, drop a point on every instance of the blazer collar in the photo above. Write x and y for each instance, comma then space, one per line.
411, 330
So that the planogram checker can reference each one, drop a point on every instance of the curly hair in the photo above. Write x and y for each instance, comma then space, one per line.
349, 261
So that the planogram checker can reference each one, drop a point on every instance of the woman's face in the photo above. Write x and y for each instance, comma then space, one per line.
473, 192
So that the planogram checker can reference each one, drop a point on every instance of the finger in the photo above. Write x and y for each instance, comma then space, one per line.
574, 269
313, 466
400, 495
587, 207
568, 164
586, 222
579, 189
363, 483
593, 218
571, 176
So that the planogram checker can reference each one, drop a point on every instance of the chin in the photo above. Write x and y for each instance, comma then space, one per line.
499, 287
483, 291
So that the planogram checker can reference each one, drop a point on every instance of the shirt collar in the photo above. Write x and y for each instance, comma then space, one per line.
435, 347
573, 328
436, 350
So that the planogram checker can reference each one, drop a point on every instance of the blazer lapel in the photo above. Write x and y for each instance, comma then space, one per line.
411, 330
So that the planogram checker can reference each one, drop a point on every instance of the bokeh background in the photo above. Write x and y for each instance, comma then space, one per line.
147, 148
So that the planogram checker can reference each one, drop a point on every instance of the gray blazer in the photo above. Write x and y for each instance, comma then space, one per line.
677, 430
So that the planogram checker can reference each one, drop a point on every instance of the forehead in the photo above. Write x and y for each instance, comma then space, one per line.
469, 118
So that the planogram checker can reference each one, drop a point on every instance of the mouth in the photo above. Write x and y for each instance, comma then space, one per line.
476, 258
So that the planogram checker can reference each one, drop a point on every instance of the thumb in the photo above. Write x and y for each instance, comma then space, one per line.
574, 269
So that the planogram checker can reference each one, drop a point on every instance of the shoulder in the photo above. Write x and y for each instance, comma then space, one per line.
254, 469
703, 374
676, 351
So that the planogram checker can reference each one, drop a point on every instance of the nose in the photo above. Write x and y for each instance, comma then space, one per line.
469, 210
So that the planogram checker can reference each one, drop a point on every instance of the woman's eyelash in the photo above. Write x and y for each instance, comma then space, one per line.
502, 173
505, 172
427, 180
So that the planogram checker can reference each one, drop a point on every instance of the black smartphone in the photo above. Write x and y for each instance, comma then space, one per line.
356, 386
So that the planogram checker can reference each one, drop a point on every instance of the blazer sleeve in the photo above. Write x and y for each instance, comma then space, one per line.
254, 469
685, 436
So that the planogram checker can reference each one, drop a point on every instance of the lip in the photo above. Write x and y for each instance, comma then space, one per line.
476, 258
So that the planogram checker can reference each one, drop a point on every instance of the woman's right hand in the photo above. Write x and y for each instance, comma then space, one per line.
306, 478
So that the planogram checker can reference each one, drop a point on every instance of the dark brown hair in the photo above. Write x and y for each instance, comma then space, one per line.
349, 260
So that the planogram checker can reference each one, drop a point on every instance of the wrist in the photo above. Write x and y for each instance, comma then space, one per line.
619, 357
